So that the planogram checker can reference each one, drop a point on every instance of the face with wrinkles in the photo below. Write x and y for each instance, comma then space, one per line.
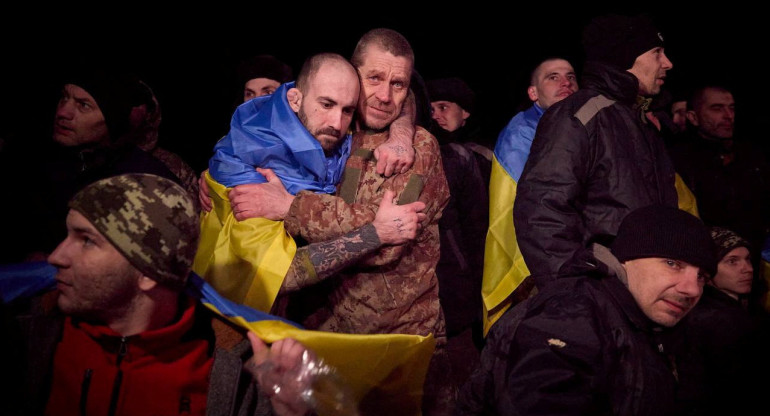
714, 116
384, 87
665, 289
79, 120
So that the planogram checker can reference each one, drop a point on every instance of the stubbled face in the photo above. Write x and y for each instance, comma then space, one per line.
734, 273
650, 69
94, 280
384, 87
679, 114
664, 289
715, 116
448, 115
555, 80
78, 118
258, 87
328, 105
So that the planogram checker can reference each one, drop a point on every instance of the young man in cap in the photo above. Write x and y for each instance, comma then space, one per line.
595, 156
119, 335
464, 219
726, 342
593, 342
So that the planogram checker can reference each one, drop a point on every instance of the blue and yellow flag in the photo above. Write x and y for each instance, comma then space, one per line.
384, 372
246, 261
504, 267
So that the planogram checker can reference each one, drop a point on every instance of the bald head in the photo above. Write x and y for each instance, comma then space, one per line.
552, 81
325, 98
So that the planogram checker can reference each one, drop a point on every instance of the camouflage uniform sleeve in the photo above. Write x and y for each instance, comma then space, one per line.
321, 217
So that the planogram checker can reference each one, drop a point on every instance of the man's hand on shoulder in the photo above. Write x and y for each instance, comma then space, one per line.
396, 155
263, 200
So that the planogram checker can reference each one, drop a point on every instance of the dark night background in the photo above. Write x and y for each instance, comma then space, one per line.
188, 57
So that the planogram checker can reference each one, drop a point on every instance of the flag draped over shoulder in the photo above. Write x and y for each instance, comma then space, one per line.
504, 267
384, 372
246, 261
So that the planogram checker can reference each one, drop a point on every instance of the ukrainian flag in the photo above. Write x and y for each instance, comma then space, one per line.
246, 261
505, 272
383, 372
504, 267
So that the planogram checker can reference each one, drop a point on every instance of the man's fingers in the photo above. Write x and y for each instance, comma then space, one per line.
259, 348
382, 163
389, 169
268, 174
415, 206
387, 198
203, 193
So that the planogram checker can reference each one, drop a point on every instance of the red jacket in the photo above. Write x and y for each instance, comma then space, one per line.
158, 372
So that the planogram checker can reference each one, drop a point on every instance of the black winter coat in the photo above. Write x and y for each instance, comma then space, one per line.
594, 159
579, 347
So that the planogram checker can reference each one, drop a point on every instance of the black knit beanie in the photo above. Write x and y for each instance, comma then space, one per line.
454, 90
618, 40
661, 231
263, 66
115, 94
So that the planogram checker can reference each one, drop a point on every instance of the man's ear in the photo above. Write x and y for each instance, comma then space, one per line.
692, 117
294, 96
146, 284
466, 115
532, 93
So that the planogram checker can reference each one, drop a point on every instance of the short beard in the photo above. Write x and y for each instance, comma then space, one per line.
326, 130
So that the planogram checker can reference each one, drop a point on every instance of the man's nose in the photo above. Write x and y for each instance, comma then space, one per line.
335, 120
384, 93
65, 109
689, 285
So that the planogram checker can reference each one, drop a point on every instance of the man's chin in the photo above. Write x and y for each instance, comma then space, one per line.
377, 122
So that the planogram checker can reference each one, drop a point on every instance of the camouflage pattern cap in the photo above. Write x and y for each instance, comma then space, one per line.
726, 241
149, 219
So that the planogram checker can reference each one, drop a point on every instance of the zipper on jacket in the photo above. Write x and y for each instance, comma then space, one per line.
84, 387
122, 350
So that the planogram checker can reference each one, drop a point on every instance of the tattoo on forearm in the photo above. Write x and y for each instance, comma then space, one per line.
330, 257
318, 261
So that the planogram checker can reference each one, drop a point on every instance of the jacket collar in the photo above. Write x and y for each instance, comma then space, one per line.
617, 286
617, 84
